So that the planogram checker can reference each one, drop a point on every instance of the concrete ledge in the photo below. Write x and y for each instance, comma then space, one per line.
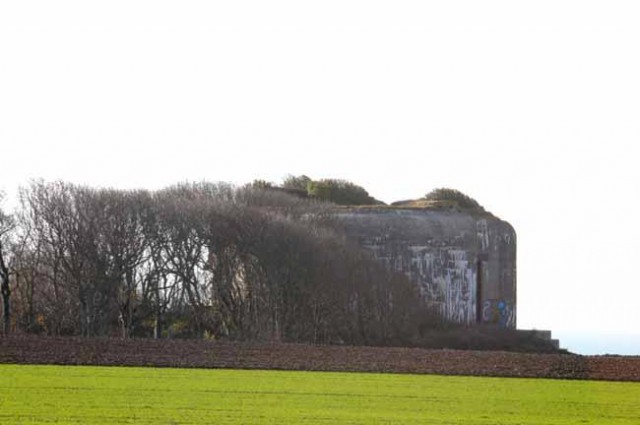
543, 335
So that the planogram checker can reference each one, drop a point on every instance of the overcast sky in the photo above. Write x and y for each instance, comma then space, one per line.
532, 108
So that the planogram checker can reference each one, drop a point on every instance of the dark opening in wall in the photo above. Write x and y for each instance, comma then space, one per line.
482, 257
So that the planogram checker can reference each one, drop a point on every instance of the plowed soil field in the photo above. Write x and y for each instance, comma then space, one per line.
214, 354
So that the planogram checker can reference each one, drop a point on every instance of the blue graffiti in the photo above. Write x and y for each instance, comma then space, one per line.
498, 312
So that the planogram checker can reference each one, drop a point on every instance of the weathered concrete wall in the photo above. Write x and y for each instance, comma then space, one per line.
464, 263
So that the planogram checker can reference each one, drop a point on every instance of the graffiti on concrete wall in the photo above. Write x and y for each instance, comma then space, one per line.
498, 312
482, 228
445, 275
446, 255
447, 278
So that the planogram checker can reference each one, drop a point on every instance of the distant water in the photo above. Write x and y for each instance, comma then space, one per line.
587, 343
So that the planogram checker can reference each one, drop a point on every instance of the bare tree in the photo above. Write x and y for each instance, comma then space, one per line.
6, 226
65, 225
39, 261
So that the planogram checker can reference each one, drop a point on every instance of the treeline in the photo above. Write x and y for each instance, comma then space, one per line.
196, 260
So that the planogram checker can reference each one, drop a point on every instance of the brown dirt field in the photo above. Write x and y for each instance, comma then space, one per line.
210, 354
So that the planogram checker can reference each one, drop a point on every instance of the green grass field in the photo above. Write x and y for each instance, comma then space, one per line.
110, 395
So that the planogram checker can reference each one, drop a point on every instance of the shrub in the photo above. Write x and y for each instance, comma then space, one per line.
340, 192
452, 195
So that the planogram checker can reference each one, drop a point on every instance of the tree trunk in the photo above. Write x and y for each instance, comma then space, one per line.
6, 294
124, 319
157, 328
6, 309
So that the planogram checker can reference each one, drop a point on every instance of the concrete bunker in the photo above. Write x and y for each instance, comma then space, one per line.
463, 261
